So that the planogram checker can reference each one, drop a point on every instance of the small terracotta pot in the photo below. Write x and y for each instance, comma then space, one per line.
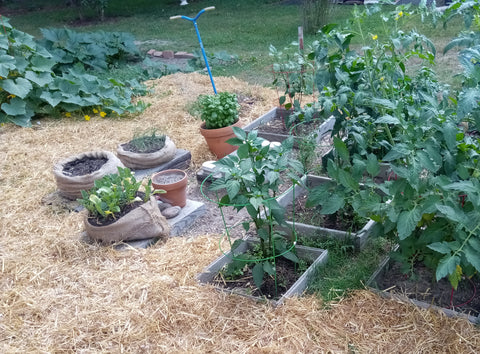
174, 182
216, 139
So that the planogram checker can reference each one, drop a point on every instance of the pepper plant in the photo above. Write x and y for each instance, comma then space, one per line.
251, 180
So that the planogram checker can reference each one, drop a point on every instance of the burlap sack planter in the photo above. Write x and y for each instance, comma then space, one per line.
143, 222
143, 161
71, 186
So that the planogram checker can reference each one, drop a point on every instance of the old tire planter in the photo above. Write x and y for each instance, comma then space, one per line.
70, 186
143, 222
174, 183
216, 139
143, 161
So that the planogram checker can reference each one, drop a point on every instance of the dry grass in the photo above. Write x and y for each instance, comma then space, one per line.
61, 295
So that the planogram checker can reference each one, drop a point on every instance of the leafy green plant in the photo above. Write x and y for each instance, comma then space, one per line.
29, 86
147, 141
251, 180
93, 50
386, 114
112, 193
293, 74
218, 111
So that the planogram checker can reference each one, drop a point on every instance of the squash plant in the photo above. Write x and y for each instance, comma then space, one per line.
30, 86
251, 180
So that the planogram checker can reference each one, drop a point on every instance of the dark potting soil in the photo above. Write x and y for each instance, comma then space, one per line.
287, 275
83, 166
340, 220
422, 286
125, 210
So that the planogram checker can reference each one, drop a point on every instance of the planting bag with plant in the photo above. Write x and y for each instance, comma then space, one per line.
137, 160
143, 222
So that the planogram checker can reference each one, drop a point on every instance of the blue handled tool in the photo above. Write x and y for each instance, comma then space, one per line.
194, 21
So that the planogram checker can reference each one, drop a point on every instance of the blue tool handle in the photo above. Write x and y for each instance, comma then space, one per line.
196, 17
194, 21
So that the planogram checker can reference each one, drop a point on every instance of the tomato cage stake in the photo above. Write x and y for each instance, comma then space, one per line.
194, 21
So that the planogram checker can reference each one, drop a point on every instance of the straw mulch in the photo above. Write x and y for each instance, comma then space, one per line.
59, 294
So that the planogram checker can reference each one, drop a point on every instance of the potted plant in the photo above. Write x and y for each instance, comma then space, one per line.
79, 172
119, 211
173, 183
146, 149
219, 113
251, 180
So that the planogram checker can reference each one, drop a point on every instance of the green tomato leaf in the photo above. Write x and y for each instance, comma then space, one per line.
447, 265
333, 204
373, 167
472, 255
407, 222
440, 247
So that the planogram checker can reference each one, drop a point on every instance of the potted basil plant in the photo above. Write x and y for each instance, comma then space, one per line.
219, 113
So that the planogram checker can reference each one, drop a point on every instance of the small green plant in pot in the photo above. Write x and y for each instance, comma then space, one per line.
146, 149
218, 112
148, 140
119, 211
251, 180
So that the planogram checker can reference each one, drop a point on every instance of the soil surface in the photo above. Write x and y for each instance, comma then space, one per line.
423, 287
169, 178
287, 275
83, 166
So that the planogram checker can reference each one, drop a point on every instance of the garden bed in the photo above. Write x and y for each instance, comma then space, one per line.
359, 237
315, 256
422, 290
271, 126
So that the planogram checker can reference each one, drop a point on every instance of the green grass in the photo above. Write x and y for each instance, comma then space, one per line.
245, 28
345, 269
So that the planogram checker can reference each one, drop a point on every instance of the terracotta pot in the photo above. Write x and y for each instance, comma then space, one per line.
216, 139
174, 182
